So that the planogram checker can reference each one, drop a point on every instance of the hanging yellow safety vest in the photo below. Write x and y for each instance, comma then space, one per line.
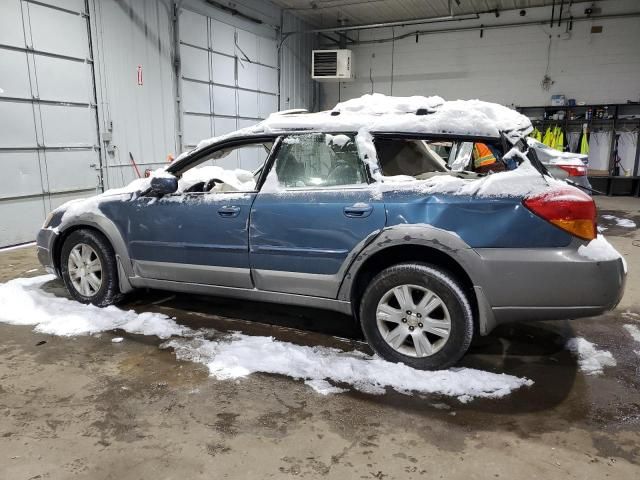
584, 141
559, 139
536, 134
548, 137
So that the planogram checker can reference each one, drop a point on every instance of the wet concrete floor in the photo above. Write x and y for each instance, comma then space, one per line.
83, 407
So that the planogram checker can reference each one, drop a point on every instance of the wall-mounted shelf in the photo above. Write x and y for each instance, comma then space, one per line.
617, 115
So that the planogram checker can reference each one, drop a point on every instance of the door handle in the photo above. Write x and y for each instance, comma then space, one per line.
229, 211
359, 210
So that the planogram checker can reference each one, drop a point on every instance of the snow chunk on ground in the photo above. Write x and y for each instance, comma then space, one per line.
599, 250
633, 331
24, 302
620, 222
323, 387
237, 357
591, 360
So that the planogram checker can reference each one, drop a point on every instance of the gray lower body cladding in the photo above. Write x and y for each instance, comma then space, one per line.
545, 284
510, 284
45, 243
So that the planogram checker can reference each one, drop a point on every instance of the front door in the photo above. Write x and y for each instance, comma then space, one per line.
200, 233
315, 210
192, 237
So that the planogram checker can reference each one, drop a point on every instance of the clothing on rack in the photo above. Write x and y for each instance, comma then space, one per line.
627, 144
584, 140
599, 150
573, 141
536, 134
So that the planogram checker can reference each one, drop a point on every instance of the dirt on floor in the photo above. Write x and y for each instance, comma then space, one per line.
84, 407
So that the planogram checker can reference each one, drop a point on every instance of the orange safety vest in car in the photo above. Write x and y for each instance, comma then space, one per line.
482, 155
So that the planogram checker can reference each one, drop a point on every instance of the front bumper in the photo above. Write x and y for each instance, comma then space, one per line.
46, 242
545, 284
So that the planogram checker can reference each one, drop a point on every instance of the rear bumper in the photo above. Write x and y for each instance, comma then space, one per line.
545, 284
46, 241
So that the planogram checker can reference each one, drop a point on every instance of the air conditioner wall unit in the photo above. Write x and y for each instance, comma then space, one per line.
331, 65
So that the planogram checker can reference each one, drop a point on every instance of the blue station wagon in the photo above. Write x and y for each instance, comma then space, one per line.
366, 221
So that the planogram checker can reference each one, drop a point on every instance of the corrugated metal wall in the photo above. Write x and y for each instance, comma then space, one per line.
133, 39
297, 90
48, 129
228, 76
502, 65
52, 148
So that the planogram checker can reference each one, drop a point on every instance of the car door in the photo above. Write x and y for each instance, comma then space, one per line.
315, 210
194, 235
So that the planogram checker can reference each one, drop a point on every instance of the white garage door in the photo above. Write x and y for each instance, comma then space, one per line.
229, 80
48, 128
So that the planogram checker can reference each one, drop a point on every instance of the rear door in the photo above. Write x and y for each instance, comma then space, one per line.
314, 211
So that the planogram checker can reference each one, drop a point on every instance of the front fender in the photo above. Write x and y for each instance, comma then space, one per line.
109, 229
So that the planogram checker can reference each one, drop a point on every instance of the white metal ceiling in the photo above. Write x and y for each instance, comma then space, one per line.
330, 13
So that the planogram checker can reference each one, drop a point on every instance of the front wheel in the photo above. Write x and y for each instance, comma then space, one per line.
89, 269
417, 315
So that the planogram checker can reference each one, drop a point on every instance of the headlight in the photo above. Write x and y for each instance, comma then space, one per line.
47, 220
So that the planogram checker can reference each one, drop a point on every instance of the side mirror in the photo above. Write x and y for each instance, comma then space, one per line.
164, 185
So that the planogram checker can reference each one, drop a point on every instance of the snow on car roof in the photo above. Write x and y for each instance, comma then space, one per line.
381, 113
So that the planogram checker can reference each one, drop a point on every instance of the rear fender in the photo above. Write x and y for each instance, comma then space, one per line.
414, 234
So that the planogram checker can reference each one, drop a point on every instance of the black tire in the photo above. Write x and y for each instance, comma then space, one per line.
450, 294
109, 292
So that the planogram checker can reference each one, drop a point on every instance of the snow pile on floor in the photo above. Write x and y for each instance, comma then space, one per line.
24, 302
599, 250
591, 360
635, 334
236, 357
633, 331
621, 222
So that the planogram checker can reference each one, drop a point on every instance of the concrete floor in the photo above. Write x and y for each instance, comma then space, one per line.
87, 408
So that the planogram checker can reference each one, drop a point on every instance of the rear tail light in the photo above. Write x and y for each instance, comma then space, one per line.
567, 208
574, 170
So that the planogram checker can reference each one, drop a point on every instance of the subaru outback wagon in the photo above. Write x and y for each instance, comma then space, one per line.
354, 211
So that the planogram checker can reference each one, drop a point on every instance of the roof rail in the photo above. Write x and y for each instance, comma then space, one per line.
292, 111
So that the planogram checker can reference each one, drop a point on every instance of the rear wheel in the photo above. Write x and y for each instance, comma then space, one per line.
417, 315
89, 269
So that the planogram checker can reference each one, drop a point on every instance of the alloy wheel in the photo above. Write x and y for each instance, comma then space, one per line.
85, 270
413, 320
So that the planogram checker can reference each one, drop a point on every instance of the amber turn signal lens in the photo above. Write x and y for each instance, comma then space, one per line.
567, 208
